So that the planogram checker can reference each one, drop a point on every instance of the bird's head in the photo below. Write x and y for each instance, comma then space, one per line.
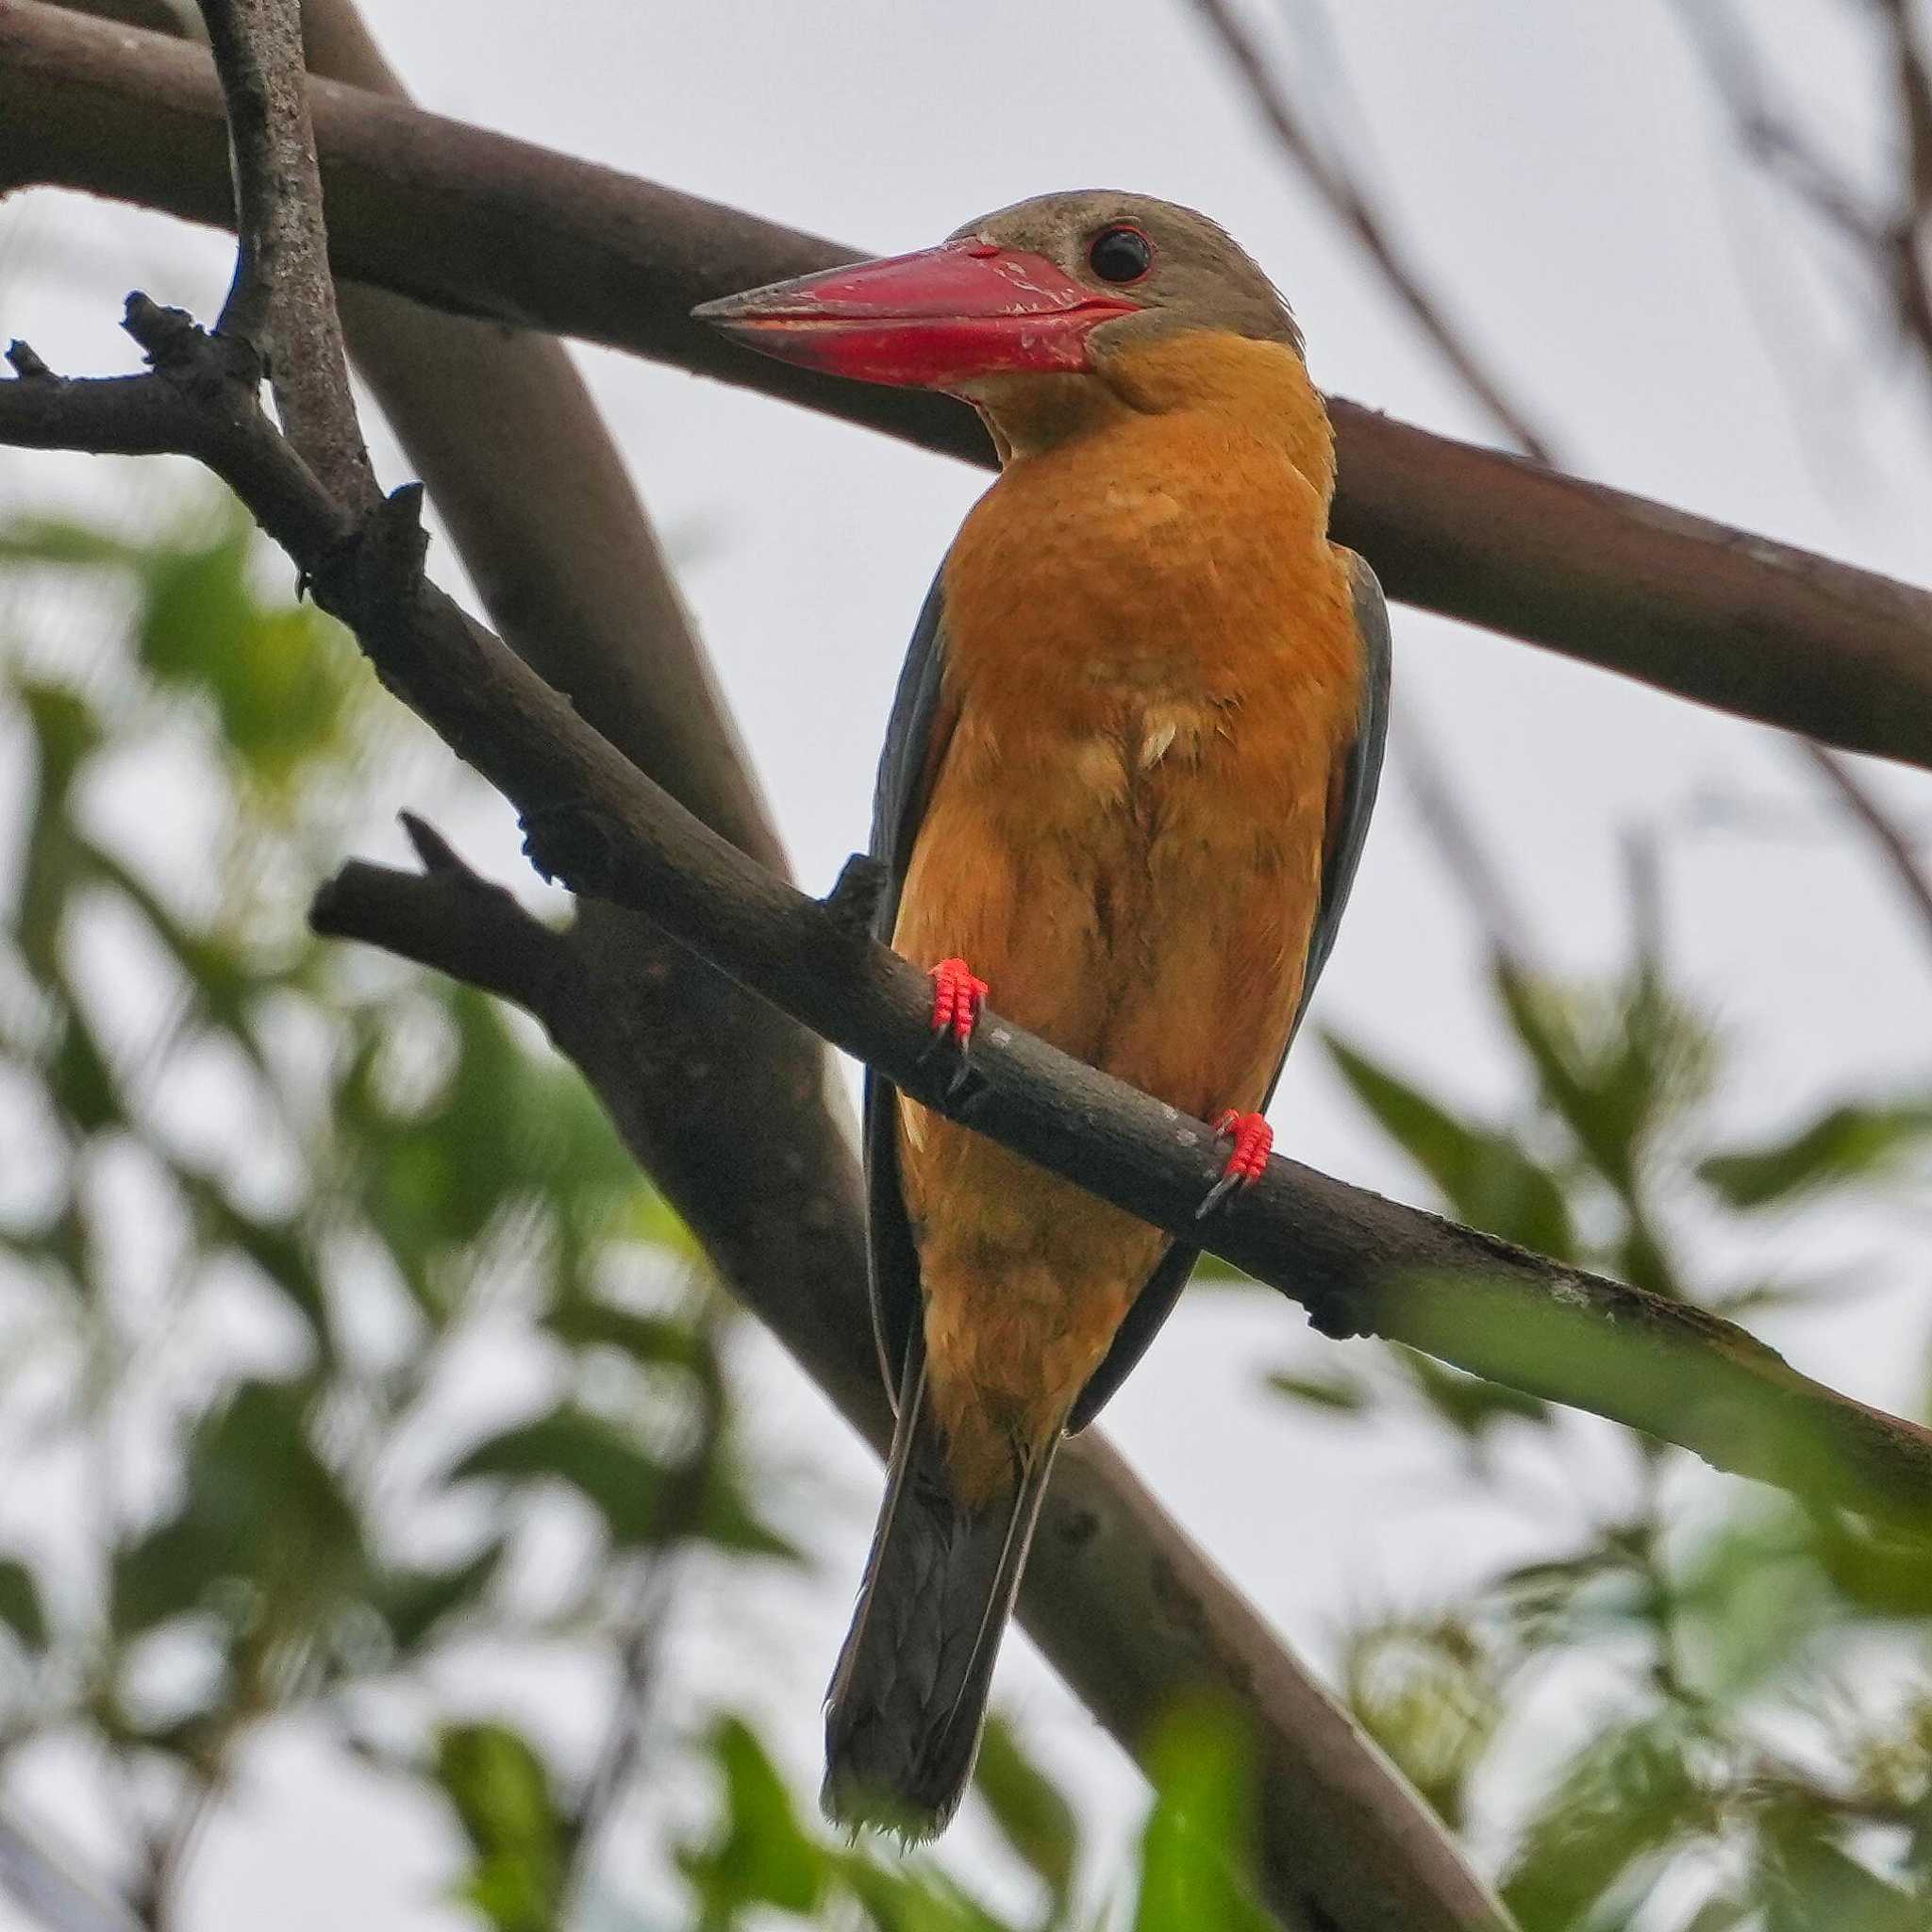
1011, 307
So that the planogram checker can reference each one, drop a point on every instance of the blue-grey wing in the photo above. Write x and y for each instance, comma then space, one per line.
1356, 782
915, 742
1351, 799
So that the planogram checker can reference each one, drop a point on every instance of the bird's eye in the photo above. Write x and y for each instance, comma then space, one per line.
1120, 254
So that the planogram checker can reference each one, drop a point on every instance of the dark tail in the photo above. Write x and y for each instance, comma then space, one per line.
904, 1714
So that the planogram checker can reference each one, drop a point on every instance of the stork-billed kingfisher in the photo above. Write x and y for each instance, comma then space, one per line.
1124, 790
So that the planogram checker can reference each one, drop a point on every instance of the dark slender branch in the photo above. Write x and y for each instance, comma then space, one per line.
452, 918
1913, 261
202, 404
1349, 204
282, 300
1894, 846
1891, 244
484, 225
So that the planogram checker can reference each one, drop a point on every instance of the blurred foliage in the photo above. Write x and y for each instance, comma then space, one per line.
1702, 1709
275, 1217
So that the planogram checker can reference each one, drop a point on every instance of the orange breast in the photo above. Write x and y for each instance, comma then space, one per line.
1152, 669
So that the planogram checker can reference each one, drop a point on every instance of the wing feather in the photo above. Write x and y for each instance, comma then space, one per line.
916, 738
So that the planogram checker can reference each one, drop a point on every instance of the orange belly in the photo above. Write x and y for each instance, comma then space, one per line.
1148, 686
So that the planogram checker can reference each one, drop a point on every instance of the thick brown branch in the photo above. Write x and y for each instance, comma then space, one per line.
485, 225
450, 918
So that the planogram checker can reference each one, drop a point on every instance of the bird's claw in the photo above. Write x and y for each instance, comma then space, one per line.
1247, 1160
958, 995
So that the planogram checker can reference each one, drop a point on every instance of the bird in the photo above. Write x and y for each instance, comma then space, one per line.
1126, 779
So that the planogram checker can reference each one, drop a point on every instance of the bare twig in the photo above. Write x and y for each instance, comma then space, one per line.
452, 918
1891, 238
619, 1761
1894, 846
489, 227
1446, 824
1347, 201
282, 301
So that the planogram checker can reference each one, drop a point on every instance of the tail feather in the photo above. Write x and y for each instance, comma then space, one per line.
907, 1700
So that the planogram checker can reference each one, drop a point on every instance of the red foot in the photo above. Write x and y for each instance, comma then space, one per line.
957, 995
1252, 1138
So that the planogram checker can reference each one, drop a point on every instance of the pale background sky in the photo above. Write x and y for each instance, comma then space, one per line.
1563, 179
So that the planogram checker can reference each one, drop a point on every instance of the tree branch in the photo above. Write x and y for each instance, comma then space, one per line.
281, 299
726, 1103
485, 225
1344, 198
1893, 847
452, 918
1327, 1804
1360, 1264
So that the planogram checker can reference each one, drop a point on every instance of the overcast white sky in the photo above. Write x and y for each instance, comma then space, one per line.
1563, 181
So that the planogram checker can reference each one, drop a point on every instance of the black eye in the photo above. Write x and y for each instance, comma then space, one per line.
1119, 255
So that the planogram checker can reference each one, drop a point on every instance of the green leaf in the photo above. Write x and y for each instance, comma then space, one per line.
1332, 1388
66, 733
1028, 1806
20, 1604
82, 1084
1196, 1848
222, 980
1748, 1602
279, 1249
1468, 1404
909, 1898
502, 1795
1430, 1693
660, 1341
414, 1601
1615, 1064
279, 674
1814, 1885
1210, 1271
1624, 1803
620, 1478
760, 1856
1882, 1576
729, 1515
1847, 1145
505, 1127
261, 1508
63, 541
1487, 1178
